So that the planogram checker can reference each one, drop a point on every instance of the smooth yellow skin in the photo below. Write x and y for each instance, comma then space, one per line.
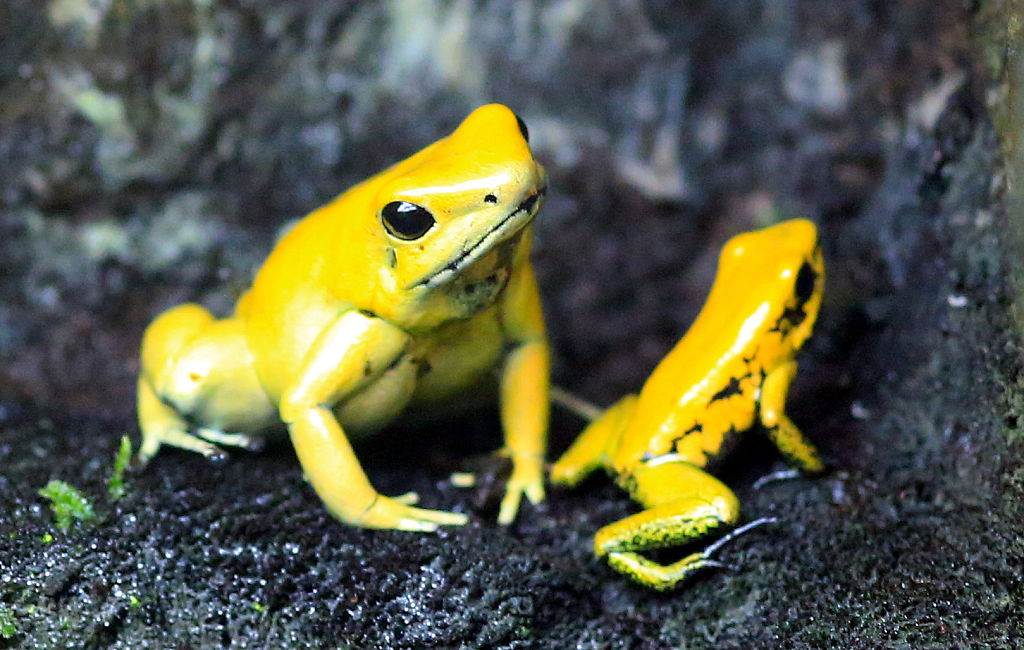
347, 324
732, 368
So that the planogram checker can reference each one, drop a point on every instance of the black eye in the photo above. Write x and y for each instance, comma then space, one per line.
406, 220
490, 198
523, 129
805, 279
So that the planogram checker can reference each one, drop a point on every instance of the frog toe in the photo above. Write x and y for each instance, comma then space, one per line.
393, 513
657, 576
240, 440
527, 480
182, 440
408, 499
509, 506
534, 492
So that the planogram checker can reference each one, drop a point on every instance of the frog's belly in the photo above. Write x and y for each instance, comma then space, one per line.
453, 361
379, 402
458, 358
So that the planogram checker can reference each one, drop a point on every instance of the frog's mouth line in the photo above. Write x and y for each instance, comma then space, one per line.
450, 270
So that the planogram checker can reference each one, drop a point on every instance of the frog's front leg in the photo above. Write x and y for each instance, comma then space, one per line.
525, 402
349, 354
682, 504
787, 437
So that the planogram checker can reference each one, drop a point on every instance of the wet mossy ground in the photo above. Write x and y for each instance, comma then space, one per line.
912, 385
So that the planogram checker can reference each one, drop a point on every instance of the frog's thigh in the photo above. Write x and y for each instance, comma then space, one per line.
163, 340
596, 445
684, 504
783, 433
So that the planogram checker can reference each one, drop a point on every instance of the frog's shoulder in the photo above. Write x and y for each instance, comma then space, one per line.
721, 333
316, 255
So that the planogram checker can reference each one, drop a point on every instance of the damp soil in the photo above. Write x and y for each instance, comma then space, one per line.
910, 387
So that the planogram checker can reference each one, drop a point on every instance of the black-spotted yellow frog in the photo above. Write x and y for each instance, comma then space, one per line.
405, 290
731, 370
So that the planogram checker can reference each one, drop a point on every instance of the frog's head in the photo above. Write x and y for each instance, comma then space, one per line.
464, 198
781, 268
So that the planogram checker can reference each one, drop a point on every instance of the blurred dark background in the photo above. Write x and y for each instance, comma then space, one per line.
150, 152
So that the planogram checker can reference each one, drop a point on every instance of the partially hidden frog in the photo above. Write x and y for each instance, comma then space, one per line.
407, 290
729, 372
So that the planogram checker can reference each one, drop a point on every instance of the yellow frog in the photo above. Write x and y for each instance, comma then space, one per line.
408, 289
732, 368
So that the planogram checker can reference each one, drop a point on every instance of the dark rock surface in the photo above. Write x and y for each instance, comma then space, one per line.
149, 152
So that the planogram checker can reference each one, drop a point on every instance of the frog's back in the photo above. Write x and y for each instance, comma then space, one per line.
703, 389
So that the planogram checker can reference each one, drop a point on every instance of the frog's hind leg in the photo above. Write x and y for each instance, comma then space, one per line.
190, 362
595, 446
162, 425
683, 504
160, 422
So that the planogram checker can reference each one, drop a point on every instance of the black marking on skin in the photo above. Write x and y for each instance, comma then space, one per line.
489, 282
696, 427
391, 259
762, 375
522, 128
372, 503
752, 358
628, 482
790, 318
422, 367
732, 388
394, 363
803, 289
368, 367
806, 278
368, 313
526, 205
729, 440
510, 347
474, 296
